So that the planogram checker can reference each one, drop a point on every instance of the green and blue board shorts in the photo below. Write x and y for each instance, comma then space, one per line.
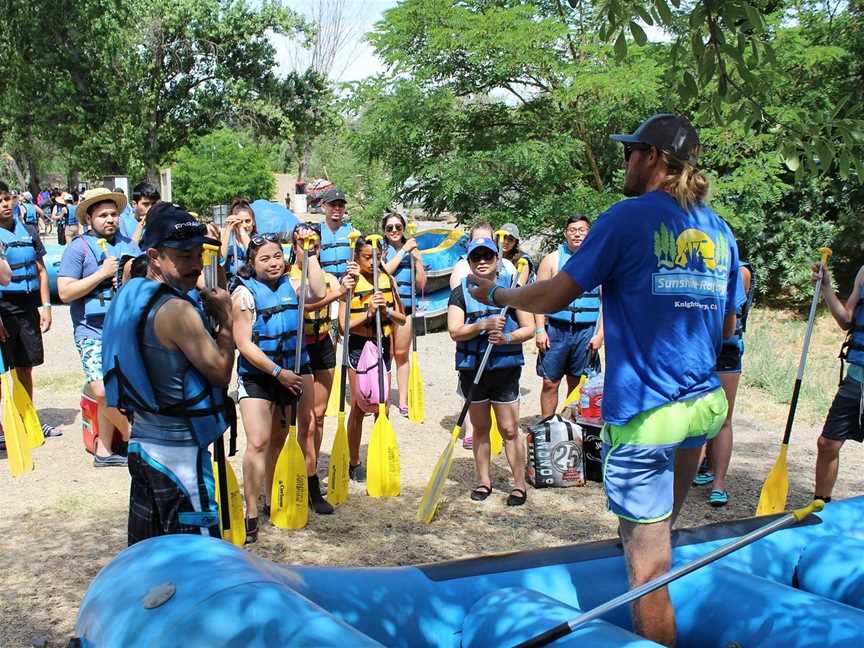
639, 457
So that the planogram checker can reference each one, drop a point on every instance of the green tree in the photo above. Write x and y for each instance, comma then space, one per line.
218, 167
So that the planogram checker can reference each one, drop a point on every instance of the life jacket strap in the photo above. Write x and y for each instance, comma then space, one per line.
274, 310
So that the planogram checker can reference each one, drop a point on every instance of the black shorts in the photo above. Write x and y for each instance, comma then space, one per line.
23, 337
729, 358
355, 348
322, 354
268, 388
499, 386
844, 420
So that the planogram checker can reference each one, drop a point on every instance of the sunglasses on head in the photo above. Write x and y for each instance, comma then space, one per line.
629, 148
486, 255
396, 227
260, 239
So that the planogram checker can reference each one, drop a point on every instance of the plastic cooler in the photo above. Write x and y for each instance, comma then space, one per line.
90, 423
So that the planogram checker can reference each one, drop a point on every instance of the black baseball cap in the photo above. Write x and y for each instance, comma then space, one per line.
170, 225
668, 132
333, 195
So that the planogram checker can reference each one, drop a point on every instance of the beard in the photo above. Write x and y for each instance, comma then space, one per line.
634, 185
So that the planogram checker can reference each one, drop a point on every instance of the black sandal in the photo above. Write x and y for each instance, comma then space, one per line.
517, 500
251, 530
481, 492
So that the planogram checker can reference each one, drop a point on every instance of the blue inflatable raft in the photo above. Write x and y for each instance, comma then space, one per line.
801, 586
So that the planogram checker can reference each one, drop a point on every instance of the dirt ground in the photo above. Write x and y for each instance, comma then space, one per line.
60, 524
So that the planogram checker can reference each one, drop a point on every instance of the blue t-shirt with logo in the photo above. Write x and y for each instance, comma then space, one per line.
668, 277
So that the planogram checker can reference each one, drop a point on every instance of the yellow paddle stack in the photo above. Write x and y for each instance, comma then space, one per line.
289, 499
383, 478
435, 488
337, 474
416, 397
775, 490
228, 497
17, 446
29, 417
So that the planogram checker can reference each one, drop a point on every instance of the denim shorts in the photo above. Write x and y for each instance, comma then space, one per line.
568, 351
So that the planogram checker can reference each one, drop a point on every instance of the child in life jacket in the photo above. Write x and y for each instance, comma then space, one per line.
366, 301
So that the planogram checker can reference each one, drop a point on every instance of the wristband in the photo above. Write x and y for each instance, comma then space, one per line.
538, 331
46, 305
491, 294
508, 338
276, 371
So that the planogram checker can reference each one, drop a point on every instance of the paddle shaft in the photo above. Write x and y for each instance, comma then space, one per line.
344, 368
567, 627
378, 332
790, 419
301, 310
413, 305
210, 281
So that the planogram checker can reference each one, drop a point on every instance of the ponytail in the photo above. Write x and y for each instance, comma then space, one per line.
684, 182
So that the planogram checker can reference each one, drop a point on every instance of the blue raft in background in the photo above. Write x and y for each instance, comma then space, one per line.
801, 586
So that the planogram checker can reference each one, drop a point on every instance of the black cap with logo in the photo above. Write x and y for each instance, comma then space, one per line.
668, 132
333, 195
170, 225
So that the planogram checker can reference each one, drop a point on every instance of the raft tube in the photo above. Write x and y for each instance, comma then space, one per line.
772, 593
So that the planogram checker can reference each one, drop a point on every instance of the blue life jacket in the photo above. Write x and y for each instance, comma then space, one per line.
744, 310
585, 309
127, 384
469, 352
96, 303
71, 216
233, 264
21, 256
402, 274
853, 348
335, 249
128, 222
29, 214
275, 328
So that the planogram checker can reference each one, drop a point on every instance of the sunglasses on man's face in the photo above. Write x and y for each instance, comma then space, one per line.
477, 257
396, 227
629, 148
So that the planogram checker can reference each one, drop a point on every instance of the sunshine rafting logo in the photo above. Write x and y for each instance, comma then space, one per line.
691, 264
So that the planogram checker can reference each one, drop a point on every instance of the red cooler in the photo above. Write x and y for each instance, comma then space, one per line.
90, 424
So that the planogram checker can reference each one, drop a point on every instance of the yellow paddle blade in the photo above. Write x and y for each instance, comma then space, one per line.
435, 487
383, 474
17, 449
337, 475
496, 442
236, 535
335, 390
289, 500
775, 490
574, 395
416, 398
32, 424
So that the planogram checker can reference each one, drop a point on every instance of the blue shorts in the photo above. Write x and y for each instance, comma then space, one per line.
639, 457
568, 351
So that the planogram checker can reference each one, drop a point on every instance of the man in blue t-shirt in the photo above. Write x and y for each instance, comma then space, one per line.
87, 279
668, 269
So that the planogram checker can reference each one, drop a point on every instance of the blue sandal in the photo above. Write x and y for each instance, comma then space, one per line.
703, 478
718, 498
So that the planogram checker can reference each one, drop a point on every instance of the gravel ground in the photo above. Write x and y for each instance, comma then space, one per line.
63, 522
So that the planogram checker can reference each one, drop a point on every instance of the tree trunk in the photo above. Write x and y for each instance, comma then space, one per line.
15, 169
303, 167
34, 182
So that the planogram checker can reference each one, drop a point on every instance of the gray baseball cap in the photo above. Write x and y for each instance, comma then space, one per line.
668, 132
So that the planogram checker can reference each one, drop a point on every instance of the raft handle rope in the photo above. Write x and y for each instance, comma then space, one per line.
564, 629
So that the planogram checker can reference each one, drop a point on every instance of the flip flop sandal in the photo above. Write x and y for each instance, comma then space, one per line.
703, 478
517, 500
718, 498
481, 492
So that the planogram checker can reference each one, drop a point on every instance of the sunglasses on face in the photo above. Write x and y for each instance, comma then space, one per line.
629, 148
477, 257
397, 227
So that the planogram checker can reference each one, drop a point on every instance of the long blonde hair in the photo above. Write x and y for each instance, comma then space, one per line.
683, 182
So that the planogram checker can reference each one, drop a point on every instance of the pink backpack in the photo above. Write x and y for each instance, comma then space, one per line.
366, 390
